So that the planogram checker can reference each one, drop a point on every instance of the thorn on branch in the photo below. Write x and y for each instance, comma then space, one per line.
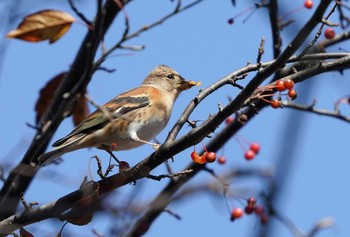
25, 204
220, 107
177, 216
106, 69
285, 24
37, 128
133, 47
193, 123
252, 105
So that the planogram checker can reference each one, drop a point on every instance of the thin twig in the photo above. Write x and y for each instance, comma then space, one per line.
311, 108
81, 15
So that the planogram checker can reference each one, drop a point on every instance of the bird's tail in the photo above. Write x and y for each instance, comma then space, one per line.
70, 145
50, 156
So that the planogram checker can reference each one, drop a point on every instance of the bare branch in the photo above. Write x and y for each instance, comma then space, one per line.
311, 108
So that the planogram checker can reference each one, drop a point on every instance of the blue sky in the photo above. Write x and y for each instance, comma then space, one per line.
201, 46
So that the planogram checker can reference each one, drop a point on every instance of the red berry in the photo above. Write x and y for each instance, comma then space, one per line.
275, 104
308, 4
230, 21
259, 209
210, 157
222, 160
279, 85
251, 202
292, 94
288, 84
255, 147
229, 120
249, 155
329, 33
248, 210
264, 219
236, 213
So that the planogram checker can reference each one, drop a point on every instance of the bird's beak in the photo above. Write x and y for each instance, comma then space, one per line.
185, 85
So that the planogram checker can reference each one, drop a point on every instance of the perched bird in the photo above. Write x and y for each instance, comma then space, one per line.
129, 120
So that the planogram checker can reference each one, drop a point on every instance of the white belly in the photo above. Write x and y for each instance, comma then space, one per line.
145, 132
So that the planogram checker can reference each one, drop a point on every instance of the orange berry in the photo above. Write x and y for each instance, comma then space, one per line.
197, 158
279, 85
236, 213
329, 33
210, 157
288, 84
249, 155
222, 160
292, 94
255, 147
275, 104
308, 4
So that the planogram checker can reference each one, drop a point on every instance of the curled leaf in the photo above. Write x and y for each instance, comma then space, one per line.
46, 95
82, 210
43, 25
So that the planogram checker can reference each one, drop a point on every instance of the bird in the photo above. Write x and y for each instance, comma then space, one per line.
127, 121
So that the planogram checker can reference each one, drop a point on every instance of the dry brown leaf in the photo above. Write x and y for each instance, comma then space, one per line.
81, 110
46, 95
89, 199
43, 25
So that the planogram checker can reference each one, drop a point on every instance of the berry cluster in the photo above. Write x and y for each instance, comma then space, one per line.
250, 208
254, 149
209, 157
280, 86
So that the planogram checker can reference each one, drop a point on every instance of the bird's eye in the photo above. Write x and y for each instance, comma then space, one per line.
170, 76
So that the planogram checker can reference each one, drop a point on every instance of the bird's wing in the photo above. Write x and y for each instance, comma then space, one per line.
116, 107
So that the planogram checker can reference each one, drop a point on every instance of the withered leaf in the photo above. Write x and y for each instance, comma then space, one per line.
82, 210
81, 110
43, 25
46, 95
